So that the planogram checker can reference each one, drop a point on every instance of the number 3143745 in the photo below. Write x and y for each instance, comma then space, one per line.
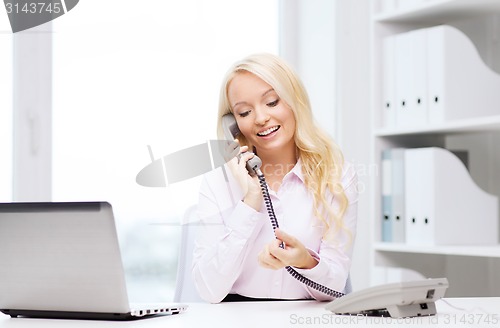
33, 8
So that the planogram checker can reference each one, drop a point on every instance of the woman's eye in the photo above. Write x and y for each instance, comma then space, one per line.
244, 114
273, 103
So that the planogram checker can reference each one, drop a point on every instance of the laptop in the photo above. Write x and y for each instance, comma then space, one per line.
62, 260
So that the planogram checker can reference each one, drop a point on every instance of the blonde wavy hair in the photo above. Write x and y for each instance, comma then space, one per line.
321, 158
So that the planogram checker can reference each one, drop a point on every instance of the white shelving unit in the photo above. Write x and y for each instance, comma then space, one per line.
477, 124
471, 270
475, 251
433, 11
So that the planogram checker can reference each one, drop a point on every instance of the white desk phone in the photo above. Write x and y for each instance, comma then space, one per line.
397, 300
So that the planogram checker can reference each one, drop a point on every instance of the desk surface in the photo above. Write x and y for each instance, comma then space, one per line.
452, 312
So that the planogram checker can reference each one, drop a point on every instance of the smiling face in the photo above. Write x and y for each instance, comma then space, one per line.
265, 120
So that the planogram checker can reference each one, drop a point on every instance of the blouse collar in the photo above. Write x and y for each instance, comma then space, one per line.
297, 171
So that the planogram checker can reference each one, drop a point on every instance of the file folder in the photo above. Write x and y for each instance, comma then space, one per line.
386, 196
404, 76
418, 84
460, 84
393, 193
398, 195
389, 83
444, 206
435, 75
410, 78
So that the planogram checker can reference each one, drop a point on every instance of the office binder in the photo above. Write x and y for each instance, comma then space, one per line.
443, 204
398, 195
460, 85
387, 217
403, 77
411, 78
389, 83
393, 207
418, 83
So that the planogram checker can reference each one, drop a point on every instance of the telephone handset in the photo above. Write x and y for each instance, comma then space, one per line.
231, 131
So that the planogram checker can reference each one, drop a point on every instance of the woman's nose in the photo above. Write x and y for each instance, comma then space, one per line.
261, 116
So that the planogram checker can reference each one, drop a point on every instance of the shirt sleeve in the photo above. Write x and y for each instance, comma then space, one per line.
334, 257
222, 246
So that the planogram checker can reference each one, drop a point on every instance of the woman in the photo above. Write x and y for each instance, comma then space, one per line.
313, 193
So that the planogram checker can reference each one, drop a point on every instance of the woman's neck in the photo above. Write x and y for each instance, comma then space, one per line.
275, 165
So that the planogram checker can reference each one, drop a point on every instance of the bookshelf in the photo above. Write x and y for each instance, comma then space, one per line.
433, 11
475, 251
471, 270
471, 125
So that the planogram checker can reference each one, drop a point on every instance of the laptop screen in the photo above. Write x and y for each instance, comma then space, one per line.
60, 257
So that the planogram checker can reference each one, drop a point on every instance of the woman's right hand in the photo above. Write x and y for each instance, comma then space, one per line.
249, 184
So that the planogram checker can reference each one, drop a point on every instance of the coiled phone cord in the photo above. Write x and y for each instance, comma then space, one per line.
274, 223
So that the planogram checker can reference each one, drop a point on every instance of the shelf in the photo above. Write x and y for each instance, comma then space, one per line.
440, 11
478, 124
477, 251
470, 122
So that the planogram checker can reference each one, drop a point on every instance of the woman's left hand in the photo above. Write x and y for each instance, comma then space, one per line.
294, 254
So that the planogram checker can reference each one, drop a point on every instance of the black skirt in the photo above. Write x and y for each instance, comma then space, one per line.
241, 298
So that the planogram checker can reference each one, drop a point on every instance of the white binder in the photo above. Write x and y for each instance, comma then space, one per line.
393, 195
398, 195
418, 84
389, 83
443, 204
387, 217
404, 76
411, 78
460, 85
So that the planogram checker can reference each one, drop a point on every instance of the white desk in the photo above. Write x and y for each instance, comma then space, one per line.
478, 312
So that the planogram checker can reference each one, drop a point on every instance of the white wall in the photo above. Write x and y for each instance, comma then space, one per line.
5, 111
308, 43
32, 105
353, 119
328, 44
